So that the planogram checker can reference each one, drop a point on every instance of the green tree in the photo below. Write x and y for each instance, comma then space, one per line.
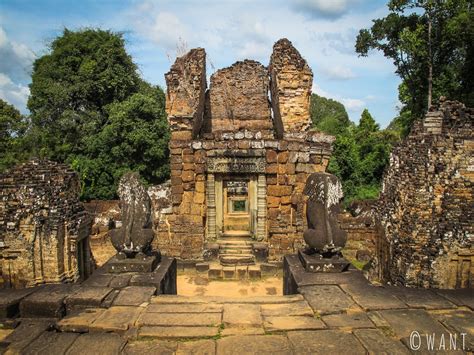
360, 156
13, 126
71, 86
90, 108
135, 138
328, 115
431, 43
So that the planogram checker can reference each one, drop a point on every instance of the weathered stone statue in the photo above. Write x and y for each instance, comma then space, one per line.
136, 234
324, 237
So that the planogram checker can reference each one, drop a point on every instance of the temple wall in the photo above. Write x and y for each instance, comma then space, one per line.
426, 209
41, 224
183, 231
185, 94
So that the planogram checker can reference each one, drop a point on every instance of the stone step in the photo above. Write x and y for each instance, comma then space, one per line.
175, 299
235, 246
236, 233
234, 242
234, 272
235, 251
237, 259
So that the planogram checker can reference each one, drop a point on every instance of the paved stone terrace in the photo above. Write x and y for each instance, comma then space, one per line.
336, 314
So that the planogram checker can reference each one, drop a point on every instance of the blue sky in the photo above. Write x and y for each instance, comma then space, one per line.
324, 31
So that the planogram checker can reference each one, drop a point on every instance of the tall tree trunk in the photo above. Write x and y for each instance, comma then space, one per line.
430, 63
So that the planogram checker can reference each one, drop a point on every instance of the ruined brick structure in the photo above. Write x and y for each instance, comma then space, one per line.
238, 99
291, 81
44, 229
240, 153
360, 224
426, 207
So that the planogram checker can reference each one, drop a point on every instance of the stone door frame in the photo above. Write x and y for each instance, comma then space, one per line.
254, 165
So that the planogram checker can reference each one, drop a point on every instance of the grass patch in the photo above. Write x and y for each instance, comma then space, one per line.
358, 264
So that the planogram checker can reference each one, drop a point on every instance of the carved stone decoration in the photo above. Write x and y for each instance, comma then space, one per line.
236, 165
136, 234
324, 234
44, 228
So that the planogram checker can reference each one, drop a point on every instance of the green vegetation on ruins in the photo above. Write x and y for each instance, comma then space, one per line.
431, 44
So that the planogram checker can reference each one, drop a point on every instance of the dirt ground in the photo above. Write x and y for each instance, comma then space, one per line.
195, 285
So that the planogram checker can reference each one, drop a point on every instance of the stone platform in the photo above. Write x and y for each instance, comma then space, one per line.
102, 290
137, 264
316, 263
332, 313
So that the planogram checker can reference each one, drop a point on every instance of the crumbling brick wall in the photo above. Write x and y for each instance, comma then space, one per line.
186, 86
42, 225
238, 99
291, 83
426, 208
360, 224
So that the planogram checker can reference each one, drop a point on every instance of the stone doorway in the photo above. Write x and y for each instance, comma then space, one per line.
236, 197
237, 210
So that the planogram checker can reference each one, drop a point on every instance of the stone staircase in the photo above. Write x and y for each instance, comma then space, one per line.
238, 257
235, 252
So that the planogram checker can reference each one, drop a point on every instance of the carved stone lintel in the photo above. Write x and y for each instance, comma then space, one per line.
236, 165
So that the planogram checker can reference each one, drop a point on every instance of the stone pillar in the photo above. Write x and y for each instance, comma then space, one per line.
219, 205
261, 206
211, 207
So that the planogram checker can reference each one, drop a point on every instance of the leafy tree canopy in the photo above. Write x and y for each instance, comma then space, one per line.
360, 152
90, 108
72, 85
135, 138
431, 43
328, 115
12, 130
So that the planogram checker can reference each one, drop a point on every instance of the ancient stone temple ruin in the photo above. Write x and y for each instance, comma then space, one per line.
426, 208
241, 151
44, 228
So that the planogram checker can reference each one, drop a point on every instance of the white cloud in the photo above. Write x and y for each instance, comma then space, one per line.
16, 58
15, 66
338, 72
167, 30
15, 94
323, 8
353, 105
252, 49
